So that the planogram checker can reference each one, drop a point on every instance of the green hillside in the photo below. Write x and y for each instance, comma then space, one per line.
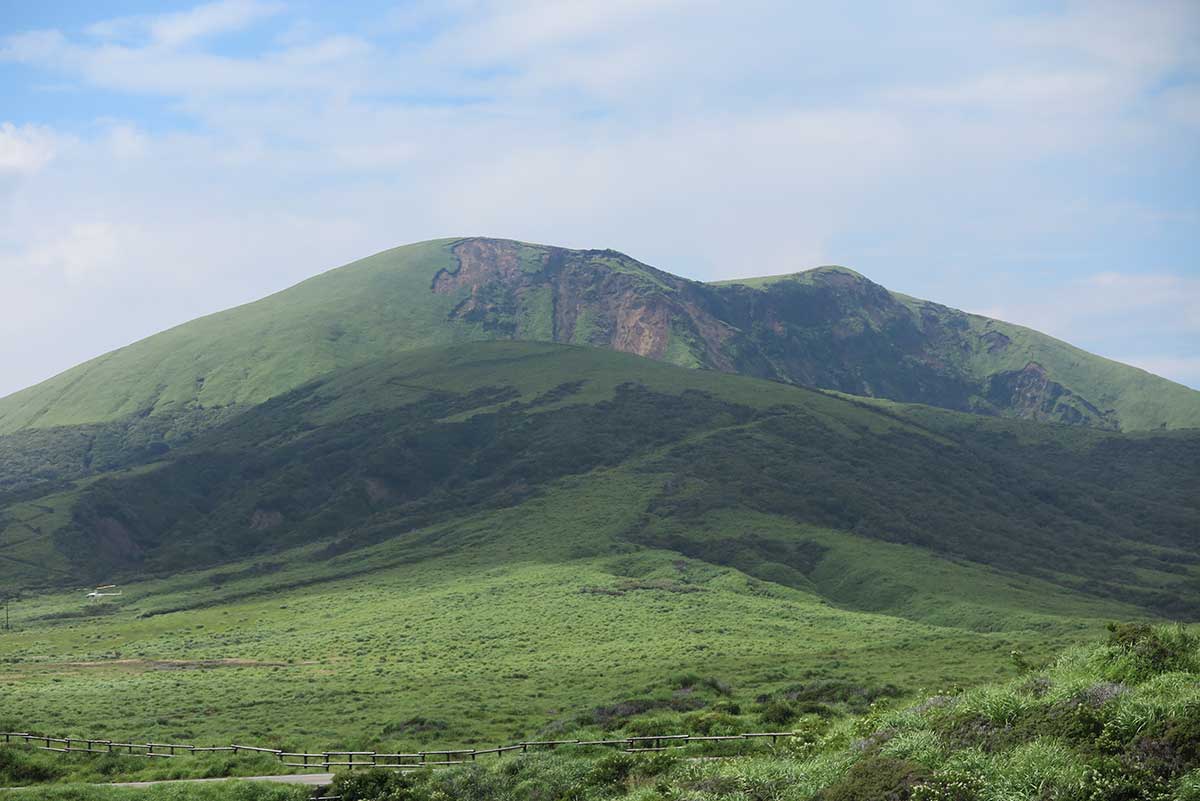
828, 328
376, 451
490, 541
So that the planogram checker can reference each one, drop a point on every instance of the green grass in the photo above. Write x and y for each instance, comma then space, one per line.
480, 543
224, 791
804, 277
1111, 720
493, 643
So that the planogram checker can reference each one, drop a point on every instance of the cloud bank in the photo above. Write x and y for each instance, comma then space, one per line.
1035, 164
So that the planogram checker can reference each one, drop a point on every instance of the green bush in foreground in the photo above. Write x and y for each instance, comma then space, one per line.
1119, 721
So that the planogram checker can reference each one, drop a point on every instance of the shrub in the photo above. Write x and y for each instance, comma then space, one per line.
777, 713
19, 767
611, 770
878, 778
376, 785
1139, 651
711, 724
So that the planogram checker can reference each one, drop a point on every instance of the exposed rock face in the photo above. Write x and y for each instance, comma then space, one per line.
594, 297
1031, 394
829, 328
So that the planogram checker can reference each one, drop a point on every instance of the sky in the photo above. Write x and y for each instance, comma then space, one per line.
1037, 162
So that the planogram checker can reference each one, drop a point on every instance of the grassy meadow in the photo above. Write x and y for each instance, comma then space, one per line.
1117, 719
399, 646
475, 545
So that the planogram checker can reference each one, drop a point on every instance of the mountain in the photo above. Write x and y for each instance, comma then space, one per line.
724, 469
362, 514
830, 328
486, 541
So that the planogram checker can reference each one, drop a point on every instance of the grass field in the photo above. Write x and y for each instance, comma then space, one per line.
401, 645
1115, 719
493, 642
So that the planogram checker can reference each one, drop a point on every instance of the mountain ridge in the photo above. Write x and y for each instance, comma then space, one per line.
827, 327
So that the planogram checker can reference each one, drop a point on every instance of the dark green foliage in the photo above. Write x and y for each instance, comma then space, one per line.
1095, 514
713, 723
992, 500
778, 713
18, 767
612, 770
377, 785
823, 697
36, 460
213, 505
876, 778
541, 777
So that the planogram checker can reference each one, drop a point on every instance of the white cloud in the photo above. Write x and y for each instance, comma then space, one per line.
1151, 320
126, 141
81, 253
25, 148
172, 30
183, 27
1162, 302
1149, 37
710, 139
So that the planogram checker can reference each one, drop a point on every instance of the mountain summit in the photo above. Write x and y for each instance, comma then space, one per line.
829, 328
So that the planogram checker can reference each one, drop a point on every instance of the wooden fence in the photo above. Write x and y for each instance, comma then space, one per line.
371, 759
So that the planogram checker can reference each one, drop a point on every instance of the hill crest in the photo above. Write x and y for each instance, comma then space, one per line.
829, 327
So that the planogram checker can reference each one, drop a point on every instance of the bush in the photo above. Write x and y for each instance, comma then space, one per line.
1139, 651
713, 724
376, 784
612, 770
777, 713
19, 767
878, 778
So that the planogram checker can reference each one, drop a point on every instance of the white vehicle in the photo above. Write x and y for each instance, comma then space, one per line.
99, 592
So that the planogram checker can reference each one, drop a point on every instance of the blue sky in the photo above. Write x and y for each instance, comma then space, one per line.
1037, 162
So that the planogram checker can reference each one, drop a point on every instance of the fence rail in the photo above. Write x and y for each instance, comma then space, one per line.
645, 744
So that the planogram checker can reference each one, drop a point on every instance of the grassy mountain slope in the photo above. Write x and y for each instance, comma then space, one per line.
828, 327
479, 542
731, 471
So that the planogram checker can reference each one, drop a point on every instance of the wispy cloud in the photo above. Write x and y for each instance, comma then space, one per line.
180, 28
977, 158
26, 148
1151, 320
